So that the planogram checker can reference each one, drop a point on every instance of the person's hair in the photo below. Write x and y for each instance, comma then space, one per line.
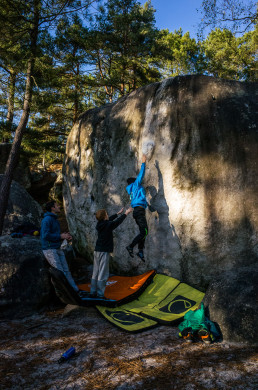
130, 180
49, 205
101, 214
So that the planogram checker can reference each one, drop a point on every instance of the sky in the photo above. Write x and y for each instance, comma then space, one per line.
173, 14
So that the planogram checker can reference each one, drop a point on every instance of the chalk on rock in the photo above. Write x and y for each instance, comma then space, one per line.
148, 147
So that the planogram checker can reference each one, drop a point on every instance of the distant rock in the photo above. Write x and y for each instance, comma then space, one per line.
22, 208
232, 301
56, 191
21, 172
41, 183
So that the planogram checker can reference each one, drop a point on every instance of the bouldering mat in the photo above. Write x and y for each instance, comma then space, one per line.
164, 301
123, 289
119, 289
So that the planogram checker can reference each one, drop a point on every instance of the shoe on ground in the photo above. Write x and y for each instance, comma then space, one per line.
93, 295
205, 336
187, 335
130, 251
83, 294
101, 297
141, 255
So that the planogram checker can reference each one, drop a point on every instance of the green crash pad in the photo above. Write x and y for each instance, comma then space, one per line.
165, 301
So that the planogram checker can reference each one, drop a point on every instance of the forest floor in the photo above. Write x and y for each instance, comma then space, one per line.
108, 358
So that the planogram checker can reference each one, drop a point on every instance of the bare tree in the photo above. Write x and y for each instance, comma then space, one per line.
236, 15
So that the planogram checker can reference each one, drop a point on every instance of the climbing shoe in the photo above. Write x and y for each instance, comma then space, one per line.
83, 294
93, 295
130, 251
187, 335
205, 336
141, 255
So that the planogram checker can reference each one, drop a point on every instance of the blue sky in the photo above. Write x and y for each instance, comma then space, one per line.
175, 14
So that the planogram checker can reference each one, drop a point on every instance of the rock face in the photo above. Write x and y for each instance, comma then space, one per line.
232, 300
22, 208
56, 192
201, 138
24, 277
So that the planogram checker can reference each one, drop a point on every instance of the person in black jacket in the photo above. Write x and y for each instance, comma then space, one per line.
104, 246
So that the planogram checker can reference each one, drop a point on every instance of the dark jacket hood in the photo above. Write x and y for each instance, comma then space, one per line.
49, 214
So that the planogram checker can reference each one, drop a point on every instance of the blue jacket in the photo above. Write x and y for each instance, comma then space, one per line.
50, 232
136, 190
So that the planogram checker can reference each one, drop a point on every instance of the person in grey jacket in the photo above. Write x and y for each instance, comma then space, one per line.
51, 238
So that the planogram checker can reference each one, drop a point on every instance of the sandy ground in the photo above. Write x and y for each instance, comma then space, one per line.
108, 358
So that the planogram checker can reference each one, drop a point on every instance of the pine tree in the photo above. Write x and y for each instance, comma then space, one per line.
229, 57
179, 53
123, 40
22, 21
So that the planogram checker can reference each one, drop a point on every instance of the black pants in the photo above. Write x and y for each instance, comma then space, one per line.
140, 219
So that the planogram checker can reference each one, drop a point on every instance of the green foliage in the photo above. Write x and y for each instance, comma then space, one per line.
180, 53
123, 43
229, 57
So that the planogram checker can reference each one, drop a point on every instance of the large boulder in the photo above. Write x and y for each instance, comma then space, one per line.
21, 172
232, 301
21, 209
201, 176
24, 277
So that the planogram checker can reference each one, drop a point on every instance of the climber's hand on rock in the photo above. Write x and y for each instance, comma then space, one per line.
144, 158
120, 211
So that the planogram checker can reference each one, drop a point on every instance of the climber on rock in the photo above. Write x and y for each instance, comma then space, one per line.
139, 204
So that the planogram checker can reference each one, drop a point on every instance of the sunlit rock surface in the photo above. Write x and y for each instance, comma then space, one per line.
201, 175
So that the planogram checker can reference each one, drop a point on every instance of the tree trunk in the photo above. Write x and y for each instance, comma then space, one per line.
10, 113
44, 158
14, 153
76, 95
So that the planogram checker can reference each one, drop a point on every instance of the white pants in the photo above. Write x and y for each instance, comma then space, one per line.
56, 259
100, 273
